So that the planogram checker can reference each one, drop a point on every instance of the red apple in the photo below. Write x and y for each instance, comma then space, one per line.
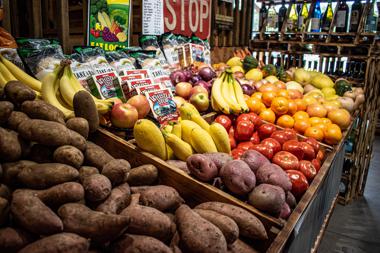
286, 160
314, 143
299, 182
141, 104
124, 115
198, 89
317, 164
307, 168
264, 150
183, 89
200, 101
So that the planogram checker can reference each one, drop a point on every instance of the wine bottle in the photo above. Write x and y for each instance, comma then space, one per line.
262, 16
293, 18
327, 18
278, 61
316, 18
332, 66
272, 23
372, 18
302, 17
357, 70
342, 17
356, 14
362, 70
281, 15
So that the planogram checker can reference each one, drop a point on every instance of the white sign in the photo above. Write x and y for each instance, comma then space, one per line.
152, 17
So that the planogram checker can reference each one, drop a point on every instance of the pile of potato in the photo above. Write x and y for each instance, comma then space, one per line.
61, 193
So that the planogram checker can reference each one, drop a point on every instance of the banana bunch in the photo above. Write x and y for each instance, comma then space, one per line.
227, 95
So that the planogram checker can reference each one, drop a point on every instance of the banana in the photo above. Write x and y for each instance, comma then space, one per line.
216, 94
201, 122
177, 130
239, 95
60, 99
3, 82
202, 142
228, 94
186, 127
20, 75
6, 73
181, 149
187, 109
220, 137
65, 87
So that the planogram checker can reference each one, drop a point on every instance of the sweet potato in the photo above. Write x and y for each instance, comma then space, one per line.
220, 159
116, 171
139, 189
32, 214
39, 109
238, 177
202, 167
41, 153
254, 159
42, 176
13, 239
77, 140
128, 243
148, 221
4, 210
17, 92
249, 225
15, 120
290, 200
143, 175
98, 226
267, 198
6, 109
227, 225
58, 243
85, 107
79, 125
271, 173
161, 197
10, 146
174, 243
11, 170
119, 199
5, 192
86, 171
241, 247
97, 187
96, 156
180, 165
198, 234
69, 155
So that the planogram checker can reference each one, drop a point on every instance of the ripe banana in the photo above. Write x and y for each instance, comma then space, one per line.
6, 73
228, 94
66, 88
20, 75
202, 142
220, 137
3, 82
216, 95
186, 127
239, 95
181, 149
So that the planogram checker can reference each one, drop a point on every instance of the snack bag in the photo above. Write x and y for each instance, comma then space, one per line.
150, 42
120, 61
162, 105
170, 47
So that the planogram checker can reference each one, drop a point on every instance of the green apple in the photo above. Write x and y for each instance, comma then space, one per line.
200, 101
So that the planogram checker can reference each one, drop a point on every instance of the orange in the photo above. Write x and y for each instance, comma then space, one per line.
268, 115
315, 120
333, 134
255, 105
283, 93
268, 97
301, 104
321, 126
310, 100
316, 110
301, 125
268, 87
285, 121
258, 95
280, 105
292, 107
246, 97
314, 132
300, 115
326, 121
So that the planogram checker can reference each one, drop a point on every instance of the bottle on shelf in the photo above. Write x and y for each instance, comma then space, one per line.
278, 61
327, 18
302, 17
340, 71
332, 66
342, 17
356, 70
272, 20
291, 25
326, 65
362, 70
356, 14
350, 71
262, 16
316, 18
347, 70
372, 18
281, 15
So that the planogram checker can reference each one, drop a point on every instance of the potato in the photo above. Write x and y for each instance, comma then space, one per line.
17, 92
6, 109
119, 199
219, 158
128, 243
174, 244
241, 247
4, 210
290, 200
98, 226
285, 211
273, 174
238, 177
86, 171
13, 239
11, 170
198, 234
39, 109
58, 243
267, 198
32, 214
97, 187
227, 225
42, 176
10, 146
249, 225
143, 175
77, 140
180, 165
41, 153
79, 125
15, 119
161, 197
139, 189
96, 156
148, 221
85, 107
202, 167
68, 155
254, 159
5, 192
116, 171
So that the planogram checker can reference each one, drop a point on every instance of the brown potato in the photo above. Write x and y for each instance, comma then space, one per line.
143, 175
5, 192
79, 125
86, 171
4, 210
161, 197
41, 153
15, 119
39, 109
11, 170
69, 155
85, 107
17, 92
119, 199
97, 187
10, 146
180, 165
96, 156
116, 171
241, 247
6, 109
128, 243
13, 239
77, 140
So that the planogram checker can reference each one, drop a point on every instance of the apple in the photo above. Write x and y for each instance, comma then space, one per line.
116, 100
198, 89
200, 101
141, 104
183, 89
124, 115
179, 101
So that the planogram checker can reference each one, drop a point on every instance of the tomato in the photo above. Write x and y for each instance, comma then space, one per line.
317, 164
264, 150
245, 145
308, 151
224, 121
231, 136
255, 139
283, 135
294, 147
314, 143
266, 131
244, 130
290, 134
320, 155
275, 145
308, 169
286, 160
236, 153
299, 183
255, 119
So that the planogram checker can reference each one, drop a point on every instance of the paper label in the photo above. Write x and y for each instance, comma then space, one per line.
341, 19
105, 85
162, 105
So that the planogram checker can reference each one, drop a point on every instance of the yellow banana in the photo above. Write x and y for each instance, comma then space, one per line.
181, 149
220, 137
177, 130
6, 73
65, 87
240, 95
3, 82
186, 127
216, 94
202, 142
228, 94
20, 75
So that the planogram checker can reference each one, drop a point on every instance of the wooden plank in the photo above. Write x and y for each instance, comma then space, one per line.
243, 24
63, 24
37, 18
237, 27
7, 16
249, 22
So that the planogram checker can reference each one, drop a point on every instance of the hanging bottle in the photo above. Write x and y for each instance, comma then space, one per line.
372, 18
356, 14
316, 18
327, 18
281, 15
293, 18
272, 20
342, 17
262, 16
302, 17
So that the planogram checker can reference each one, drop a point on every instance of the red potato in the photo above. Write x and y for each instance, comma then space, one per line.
271, 173
220, 159
267, 198
202, 167
238, 177
285, 211
254, 159
290, 200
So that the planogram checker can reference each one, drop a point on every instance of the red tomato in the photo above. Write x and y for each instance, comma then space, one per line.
299, 183
275, 145
264, 150
317, 164
244, 130
224, 121
236, 153
314, 143
293, 147
308, 169
281, 136
255, 119
291, 134
255, 138
245, 145
266, 130
321, 155
243, 117
231, 136
308, 150
286, 160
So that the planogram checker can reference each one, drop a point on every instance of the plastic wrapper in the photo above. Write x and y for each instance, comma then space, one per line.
170, 45
120, 61
12, 55
150, 42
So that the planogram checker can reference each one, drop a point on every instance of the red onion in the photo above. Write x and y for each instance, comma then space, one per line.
178, 76
188, 74
195, 79
206, 73
204, 84
247, 89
